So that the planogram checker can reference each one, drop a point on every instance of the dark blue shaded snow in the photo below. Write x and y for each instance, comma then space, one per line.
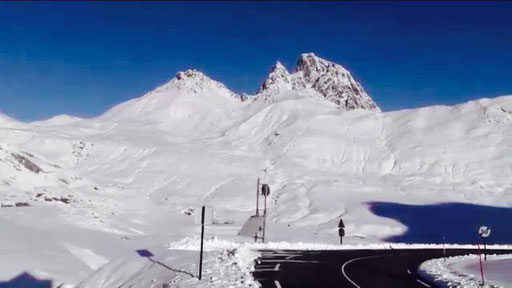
447, 222
144, 253
26, 280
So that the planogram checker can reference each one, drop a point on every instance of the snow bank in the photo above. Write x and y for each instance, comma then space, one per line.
226, 263
464, 271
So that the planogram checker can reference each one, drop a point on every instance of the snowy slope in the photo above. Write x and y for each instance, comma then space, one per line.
189, 103
133, 175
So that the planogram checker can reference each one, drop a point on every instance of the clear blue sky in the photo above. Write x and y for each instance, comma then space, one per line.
83, 58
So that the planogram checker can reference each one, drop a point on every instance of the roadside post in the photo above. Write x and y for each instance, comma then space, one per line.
256, 223
341, 230
265, 190
481, 266
202, 242
444, 249
258, 197
484, 232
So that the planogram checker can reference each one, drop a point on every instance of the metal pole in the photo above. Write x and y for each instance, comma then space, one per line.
265, 206
202, 240
444, 248
485, 249
264, 218
258, 197
481, 266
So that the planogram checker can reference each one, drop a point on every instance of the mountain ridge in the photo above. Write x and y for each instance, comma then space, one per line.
331, 80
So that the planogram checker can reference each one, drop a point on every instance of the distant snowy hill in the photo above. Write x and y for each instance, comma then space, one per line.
139, 170
7, 121
59, 120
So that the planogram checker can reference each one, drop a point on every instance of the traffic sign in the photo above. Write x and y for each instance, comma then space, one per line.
265, 190
484, 231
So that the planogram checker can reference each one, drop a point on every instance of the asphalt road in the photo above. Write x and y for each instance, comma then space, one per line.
394, 268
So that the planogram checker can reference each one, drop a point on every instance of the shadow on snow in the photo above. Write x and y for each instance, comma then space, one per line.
147, 254
447, 222
25, 280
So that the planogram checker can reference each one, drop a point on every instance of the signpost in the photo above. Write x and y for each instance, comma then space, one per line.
484, 232
481, 266
202, 240
265, 190
208, 215
444, 249
258, 197
256, 223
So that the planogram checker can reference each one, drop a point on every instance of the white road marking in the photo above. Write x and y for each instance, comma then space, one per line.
423, 283
289, 261
354, 260
265, 270
278, 285
279, 254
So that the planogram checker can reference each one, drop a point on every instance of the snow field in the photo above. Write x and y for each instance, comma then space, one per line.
131, 178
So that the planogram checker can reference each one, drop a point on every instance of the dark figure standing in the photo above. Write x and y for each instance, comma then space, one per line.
341, 230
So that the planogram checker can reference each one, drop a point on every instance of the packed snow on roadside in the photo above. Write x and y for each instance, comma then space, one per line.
464, 271
227, 263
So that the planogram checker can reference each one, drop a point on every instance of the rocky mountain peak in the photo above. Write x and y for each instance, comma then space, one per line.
191, 77
313, 67
278, 80
329, 79
195, 82
190, 74
279, 67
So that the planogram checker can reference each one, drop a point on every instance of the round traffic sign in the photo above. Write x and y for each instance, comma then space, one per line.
265, 190
484, 231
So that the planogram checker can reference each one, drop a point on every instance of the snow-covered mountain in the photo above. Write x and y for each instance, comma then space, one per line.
190, 102
132, 177
326, 78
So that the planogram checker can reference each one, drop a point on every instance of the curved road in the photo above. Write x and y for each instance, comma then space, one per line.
394, 268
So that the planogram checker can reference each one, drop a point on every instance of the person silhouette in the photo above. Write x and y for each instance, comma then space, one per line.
341, 230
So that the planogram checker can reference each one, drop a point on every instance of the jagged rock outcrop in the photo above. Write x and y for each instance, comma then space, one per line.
329, 79
279, 79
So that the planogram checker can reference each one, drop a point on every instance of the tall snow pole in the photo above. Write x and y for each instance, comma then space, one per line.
265, 190
481, 265
264, 219
257, 206
444, 249
258, 197
485, 249
202, 240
